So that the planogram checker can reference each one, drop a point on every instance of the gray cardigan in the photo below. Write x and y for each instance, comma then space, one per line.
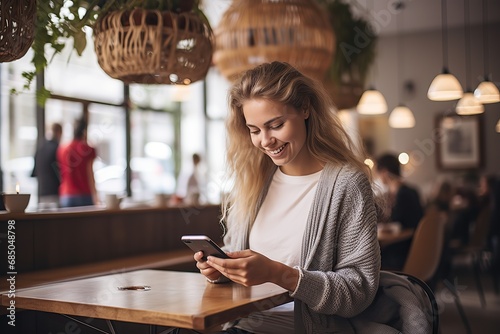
340, 258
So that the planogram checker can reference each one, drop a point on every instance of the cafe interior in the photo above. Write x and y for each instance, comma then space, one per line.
381, 61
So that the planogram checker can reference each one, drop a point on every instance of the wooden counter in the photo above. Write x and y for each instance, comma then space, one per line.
50, 240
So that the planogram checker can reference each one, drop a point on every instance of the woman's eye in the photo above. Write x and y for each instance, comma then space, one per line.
254, 131
274, 127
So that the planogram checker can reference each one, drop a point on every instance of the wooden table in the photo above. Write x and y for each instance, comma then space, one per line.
176, 299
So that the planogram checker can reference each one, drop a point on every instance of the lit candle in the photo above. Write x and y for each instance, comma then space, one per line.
17, 188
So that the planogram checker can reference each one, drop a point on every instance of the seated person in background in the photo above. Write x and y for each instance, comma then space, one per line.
464, 210
405, 208
442, 196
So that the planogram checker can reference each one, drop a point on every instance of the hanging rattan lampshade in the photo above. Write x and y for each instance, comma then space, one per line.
153, 46
17, 25
252, 32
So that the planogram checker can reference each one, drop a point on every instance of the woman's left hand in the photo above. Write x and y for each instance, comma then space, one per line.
245, 267
250, 268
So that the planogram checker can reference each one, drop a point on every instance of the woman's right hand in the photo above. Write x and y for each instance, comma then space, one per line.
208, 271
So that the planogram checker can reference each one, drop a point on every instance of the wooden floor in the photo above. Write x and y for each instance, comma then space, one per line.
483, 320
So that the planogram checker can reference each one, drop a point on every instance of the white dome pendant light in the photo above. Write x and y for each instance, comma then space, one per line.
401, 117
486, 91
468, 104
445, 86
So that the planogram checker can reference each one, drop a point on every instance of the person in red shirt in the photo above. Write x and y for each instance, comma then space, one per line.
77, 177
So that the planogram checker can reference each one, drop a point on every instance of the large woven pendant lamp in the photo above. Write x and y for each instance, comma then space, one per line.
252, 32
17, 25
153, 46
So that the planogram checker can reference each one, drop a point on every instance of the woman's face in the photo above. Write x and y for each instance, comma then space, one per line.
280, 132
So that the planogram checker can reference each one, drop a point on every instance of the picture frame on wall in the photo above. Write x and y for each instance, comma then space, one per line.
459, 142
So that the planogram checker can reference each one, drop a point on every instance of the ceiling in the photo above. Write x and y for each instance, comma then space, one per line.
422, 15
418, 15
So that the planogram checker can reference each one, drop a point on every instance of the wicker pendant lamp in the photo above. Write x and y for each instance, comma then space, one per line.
252, 32
17, 25
153, 46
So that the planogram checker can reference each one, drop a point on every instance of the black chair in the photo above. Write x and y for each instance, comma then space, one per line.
432, 311
403, 303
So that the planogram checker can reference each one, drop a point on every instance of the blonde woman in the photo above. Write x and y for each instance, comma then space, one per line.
301, 213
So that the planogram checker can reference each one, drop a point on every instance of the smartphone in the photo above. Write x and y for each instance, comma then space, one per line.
205, 244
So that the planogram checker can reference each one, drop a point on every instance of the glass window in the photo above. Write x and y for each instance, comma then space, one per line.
81, 76
153, 162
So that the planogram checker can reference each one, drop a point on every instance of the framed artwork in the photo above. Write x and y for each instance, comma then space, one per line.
459, 142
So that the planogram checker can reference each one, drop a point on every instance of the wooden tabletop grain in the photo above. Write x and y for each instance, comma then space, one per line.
175, 299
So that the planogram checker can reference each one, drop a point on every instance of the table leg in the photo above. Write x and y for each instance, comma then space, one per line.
110, 326
86, 324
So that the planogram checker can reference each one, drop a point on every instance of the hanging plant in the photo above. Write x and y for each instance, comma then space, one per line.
61, 21
17, 25
154, 46
352, 60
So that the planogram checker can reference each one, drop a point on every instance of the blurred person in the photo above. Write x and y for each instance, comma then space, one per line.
301, 213
77, 176
190, 189
465, 207
442, 196
193, 190
46, 167
405, 208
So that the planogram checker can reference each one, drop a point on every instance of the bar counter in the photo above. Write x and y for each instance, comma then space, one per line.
86, 235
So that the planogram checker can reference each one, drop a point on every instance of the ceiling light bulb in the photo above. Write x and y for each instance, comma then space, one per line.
372, 102
401, 118
469, 105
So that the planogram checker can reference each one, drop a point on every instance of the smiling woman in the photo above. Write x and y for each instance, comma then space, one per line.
298, 180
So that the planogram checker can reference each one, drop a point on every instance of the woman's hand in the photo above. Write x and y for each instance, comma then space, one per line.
207, 270
250, 268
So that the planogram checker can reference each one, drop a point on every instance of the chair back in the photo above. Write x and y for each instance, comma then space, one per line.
403, 304
432, 310
425, 251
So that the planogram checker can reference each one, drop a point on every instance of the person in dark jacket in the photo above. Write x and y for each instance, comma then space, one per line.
405, 209
46, 168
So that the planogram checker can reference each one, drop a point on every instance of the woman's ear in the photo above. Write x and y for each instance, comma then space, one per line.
305, 108
306, 113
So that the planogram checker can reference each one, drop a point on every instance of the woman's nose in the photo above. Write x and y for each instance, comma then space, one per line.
266, 139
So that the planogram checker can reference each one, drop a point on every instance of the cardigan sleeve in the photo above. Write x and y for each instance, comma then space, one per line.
346, 283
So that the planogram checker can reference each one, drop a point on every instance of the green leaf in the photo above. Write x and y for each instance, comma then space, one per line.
80, 41
42, 95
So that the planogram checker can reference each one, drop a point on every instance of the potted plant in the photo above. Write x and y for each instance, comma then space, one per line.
166, 42
60, 21
351, 64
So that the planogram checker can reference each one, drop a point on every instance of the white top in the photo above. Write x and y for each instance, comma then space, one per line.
278, 229
277, 233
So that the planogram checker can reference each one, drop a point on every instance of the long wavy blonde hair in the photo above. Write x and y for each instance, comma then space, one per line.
248, 167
